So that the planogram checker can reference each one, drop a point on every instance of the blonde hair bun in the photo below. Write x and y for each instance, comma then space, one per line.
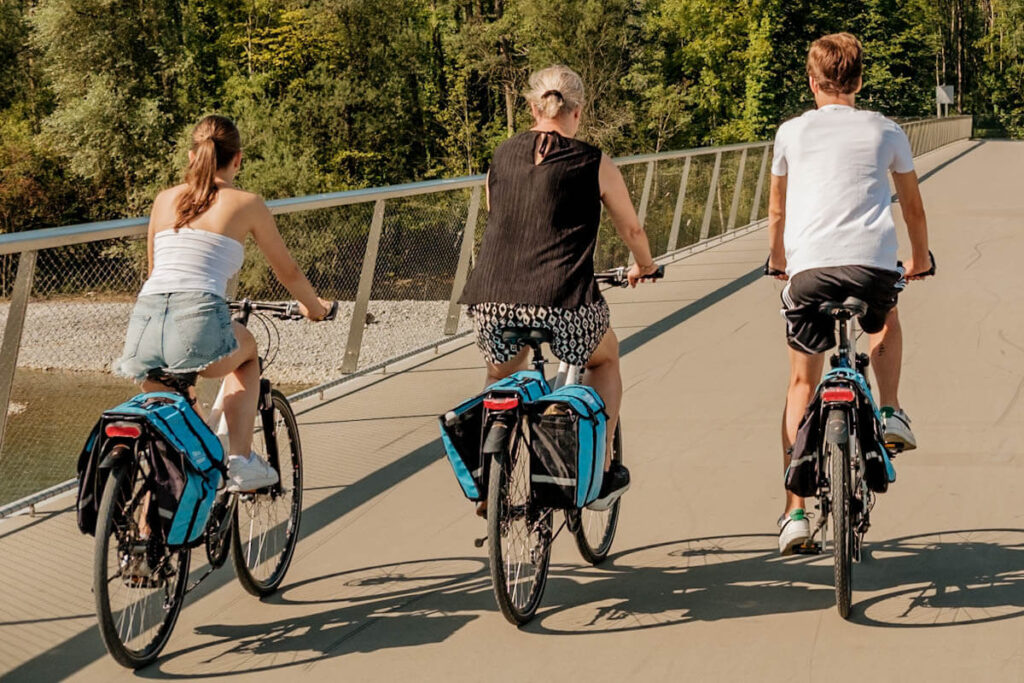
555, 89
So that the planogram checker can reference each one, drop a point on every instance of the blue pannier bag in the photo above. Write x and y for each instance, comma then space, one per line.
186, 463
568, 432
462, 429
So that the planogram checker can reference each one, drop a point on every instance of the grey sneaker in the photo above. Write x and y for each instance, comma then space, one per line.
794, 530
897, 428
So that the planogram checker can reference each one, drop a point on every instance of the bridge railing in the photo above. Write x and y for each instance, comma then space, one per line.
398, 257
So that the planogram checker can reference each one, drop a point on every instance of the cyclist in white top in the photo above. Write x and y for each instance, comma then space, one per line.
831, 231
181, 321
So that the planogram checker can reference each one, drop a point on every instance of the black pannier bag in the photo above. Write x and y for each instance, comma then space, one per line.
568, 429
462, 429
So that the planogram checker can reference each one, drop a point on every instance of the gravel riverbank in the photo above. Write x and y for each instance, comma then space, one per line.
88, 336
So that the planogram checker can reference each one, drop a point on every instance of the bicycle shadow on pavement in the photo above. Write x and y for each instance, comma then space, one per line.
414, 603
928, 580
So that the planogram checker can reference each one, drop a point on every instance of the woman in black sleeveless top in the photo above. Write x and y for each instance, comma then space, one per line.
536, 264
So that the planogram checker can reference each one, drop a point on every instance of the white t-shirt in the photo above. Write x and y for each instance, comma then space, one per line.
838, 202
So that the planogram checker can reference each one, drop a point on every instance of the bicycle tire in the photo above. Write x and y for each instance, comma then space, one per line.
263, 537
838, 442
509, 477
117, 632
605, 521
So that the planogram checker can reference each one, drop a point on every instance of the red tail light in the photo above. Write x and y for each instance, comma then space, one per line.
507, 403
838, 395
122, 430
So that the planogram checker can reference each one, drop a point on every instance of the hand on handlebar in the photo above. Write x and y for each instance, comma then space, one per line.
326, 307
776, 269
636, 273
916, 268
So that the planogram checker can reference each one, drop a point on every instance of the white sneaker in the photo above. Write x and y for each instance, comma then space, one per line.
897, 428
249, 473
794, 530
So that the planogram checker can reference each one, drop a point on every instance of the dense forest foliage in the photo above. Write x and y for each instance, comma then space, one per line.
97, 97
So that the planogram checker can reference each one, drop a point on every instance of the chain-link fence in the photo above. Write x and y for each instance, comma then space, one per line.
395, 257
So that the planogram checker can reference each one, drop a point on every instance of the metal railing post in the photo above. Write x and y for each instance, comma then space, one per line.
451, 324
12, 334
755, 210
358, 322
705, 226
677, 215
736, 192
645, 198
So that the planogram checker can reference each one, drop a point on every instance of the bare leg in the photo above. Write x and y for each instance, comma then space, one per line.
241, 389
804, 375
887, 359
499, 371
604, 376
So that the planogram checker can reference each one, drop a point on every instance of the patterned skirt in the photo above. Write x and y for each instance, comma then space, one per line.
575, 332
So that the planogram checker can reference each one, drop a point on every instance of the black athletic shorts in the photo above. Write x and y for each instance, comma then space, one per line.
809, 330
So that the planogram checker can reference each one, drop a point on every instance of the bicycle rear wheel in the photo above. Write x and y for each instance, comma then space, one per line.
595, 530
266, 524
139, 585
519, 535
838, 443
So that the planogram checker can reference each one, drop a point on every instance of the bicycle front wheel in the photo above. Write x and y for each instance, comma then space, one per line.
138, 583
595, 530
518, 533
266, 524
838, 444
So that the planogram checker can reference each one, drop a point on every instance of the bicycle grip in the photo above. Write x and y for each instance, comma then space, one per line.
769, 271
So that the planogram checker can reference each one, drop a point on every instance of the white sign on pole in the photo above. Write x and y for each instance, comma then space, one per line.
944, 94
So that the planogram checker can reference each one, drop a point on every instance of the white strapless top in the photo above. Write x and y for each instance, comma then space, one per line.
193, 261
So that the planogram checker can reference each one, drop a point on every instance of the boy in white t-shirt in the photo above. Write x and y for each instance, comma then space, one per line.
831, 231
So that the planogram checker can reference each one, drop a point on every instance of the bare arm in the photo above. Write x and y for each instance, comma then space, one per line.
912, 206
777, 224
269, 240
615, 197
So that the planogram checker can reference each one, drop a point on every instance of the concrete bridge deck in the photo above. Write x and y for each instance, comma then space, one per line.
387, 585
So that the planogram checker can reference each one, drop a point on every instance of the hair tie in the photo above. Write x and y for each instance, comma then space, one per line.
553, 92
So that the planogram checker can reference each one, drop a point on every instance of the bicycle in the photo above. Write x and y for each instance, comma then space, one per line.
519, 531
842, 489
139, 582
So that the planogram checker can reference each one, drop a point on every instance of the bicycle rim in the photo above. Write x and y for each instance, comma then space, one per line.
266, 524
519, 535
136, 614
595, 530
839, 463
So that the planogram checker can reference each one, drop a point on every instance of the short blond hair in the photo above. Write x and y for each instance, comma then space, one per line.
554, 90
836, 63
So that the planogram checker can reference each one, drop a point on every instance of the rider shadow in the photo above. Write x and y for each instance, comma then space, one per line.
414, 603
950, 578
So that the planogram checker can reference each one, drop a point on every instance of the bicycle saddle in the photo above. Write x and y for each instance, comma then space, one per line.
852, 307
526, 335
179, 381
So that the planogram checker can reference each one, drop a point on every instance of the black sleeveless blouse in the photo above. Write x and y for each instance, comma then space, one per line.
538, 246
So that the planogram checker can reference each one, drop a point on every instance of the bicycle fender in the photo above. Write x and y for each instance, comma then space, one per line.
836, 429
497, 437
112, 457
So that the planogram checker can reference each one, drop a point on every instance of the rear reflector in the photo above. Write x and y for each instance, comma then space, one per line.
507, 403
123, 430
838, 394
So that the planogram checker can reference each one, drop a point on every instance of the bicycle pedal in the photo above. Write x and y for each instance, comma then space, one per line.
808, 548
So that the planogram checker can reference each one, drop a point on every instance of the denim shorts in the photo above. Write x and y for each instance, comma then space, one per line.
180, 332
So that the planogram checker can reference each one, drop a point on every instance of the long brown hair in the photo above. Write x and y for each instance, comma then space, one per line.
215, 142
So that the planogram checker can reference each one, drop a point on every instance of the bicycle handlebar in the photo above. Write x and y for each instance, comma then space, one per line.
282, 310
772, 272
617, 277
